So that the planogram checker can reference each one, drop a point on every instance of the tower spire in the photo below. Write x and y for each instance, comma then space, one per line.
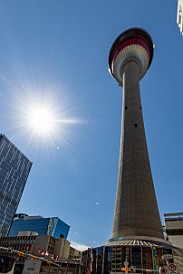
136, 212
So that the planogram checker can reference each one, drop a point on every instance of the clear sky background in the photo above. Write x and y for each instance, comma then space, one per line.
56, 52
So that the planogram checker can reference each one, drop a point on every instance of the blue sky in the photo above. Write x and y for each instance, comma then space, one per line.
57, 51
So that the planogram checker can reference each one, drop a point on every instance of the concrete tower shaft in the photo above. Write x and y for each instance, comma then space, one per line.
136, 211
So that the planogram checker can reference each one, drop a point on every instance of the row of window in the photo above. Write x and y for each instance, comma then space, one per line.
116, 259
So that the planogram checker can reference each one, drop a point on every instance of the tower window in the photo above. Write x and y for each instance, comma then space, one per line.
135, 125
126, 107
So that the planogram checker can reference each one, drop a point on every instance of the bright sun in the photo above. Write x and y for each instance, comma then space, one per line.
41, 119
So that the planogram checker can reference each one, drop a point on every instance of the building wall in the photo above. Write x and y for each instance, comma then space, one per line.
14, 171
31, 247
174, 223
62, 247
143, 258
61, 228
174, 228
176, 240
52, 226
35, 225
42, 246
74, 254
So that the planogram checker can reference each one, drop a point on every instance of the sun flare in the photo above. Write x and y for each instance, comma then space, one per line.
43, 118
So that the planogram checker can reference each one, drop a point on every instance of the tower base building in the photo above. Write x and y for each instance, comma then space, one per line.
131, 256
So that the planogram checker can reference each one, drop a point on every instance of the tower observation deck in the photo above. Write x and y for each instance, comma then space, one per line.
136, 214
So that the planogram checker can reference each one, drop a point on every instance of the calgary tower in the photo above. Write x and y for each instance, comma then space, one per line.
138, 244
136, 212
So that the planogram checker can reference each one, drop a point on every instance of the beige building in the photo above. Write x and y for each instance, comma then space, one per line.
174, 234
56, 254
38, 245
174, 228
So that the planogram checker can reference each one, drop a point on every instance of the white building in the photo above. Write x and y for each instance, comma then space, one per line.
180, 15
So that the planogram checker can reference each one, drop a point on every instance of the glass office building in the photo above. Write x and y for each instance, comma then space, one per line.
14, 171
52, 226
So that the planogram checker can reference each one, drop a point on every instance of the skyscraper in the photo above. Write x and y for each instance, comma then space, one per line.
136, 212
14, 171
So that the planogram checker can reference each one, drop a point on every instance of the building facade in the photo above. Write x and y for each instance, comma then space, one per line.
180, 15
51, 254
52, 226
174, 228
14, 171
131, 257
